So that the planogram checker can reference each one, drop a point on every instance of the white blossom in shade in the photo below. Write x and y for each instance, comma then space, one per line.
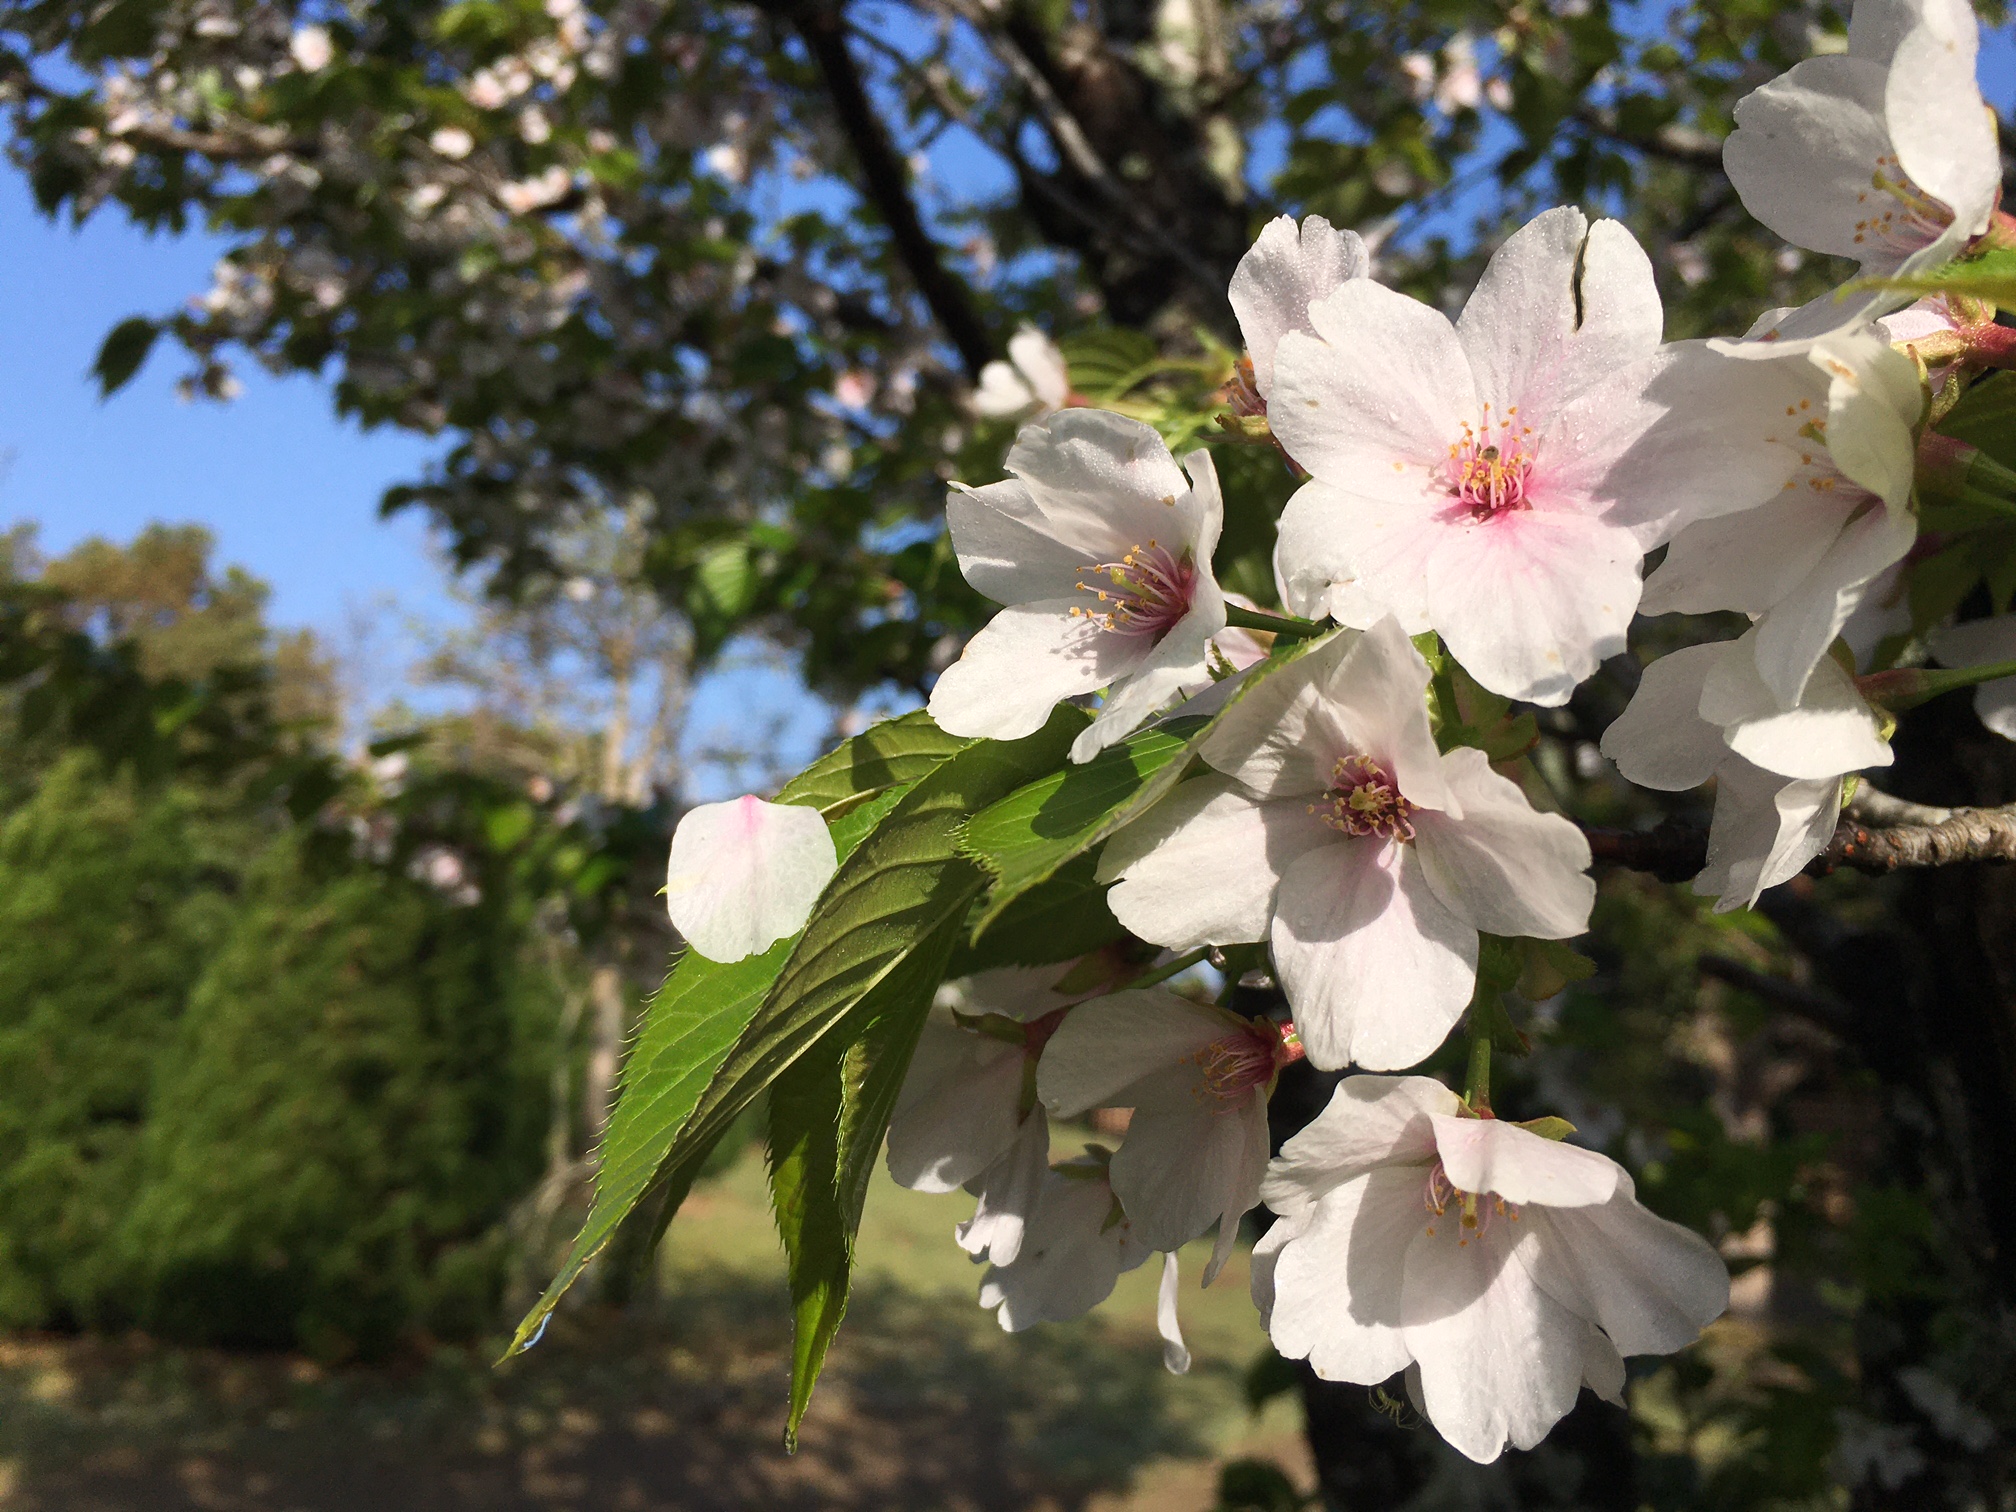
1286, 270
1885, 153
1498, 480
1805, 559
1334, 830
452, 142
311, 48
1197, 1078
1501, 1270
1034, 380
745, 874
1101, 549
967, 1114
1704, 711
1981, 643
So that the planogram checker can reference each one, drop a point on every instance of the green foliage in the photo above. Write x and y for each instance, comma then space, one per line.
124, 353
347, 1110
108, 906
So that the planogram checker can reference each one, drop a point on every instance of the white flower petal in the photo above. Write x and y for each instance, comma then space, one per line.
1561, 308
1379, 695
1175, 1353
1748, 561
1106, 483
1488, 1155
1108, 1044
1501, 1361
1008, 1191
1041, 365
959, 1108
1283, 738
1652, 1286
1023, 663
1660, 740
1369, 1121
1376, 969
1804, 148
1944, 135
1503, 866
1874, 402
1980, 643
1766, 828
1794, 637
1326, 529
1180, 659
1069, 1259
1202, 866
1384, 380
744, 874
1180, 1171
1285, 270
1002, 392
1336, 1281
1531, 601
1005, 546
1832, 731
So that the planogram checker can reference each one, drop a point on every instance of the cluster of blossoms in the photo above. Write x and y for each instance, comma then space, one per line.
1481, 493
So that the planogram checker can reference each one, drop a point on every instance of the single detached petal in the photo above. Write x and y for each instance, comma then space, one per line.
1370, 1121
1286, 270
1202, 866
1652, 1286
1561, 308
745, 874
1503, 866
1766, 828
1374, 965
1531, 601
1336, 1282
1981, 643
1660, 740
1383, 380
1008, 1191
1488, 1155
1105, 1046
1501, 1361
1023, 663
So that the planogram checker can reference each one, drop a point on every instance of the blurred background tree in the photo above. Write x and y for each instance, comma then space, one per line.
697, 295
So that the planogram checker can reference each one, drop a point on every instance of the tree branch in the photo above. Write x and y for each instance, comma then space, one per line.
887, 183
1675, 144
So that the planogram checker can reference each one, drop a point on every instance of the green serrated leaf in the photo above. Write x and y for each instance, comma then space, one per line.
1058, 920
123, 353
689, 1028
1991, 277
1030, 835
828, 1113
894, 752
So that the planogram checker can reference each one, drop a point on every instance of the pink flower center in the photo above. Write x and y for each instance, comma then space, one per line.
1236, 1063
1144, 593
1474, 1212
1489, 468
1363, 800
1911, 220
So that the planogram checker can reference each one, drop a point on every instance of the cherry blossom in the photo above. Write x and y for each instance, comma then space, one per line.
1846, 410
1334, 830
1501, 1270
1705, 711
1197, 1078
1079, 1243
1101, 549
1498, 480
1287, 269
1885, 153
968, 1115
1033, 381
744, 874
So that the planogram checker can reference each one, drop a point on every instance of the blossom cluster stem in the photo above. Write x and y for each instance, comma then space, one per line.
1170, 968
1477, 1082
1284, 625
1907, 687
